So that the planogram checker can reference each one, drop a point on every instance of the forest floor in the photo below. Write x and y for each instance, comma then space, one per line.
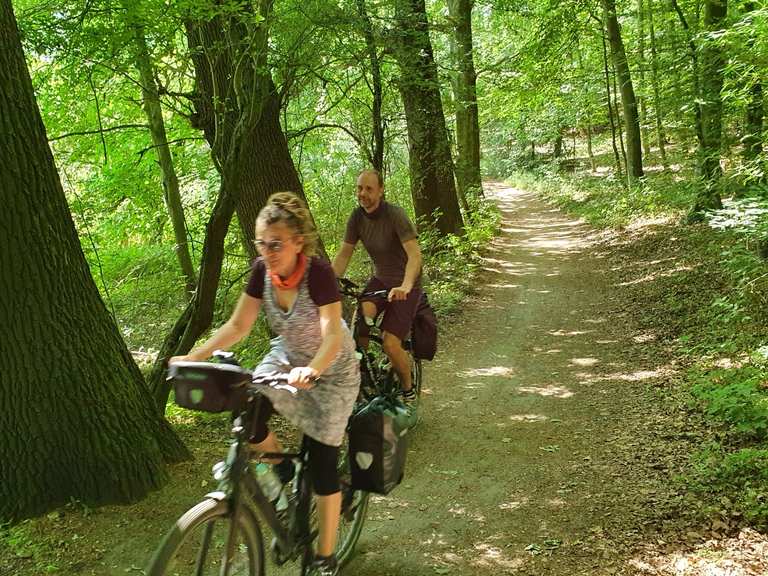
553, 432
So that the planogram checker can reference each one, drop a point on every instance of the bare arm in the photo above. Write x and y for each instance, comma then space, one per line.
231, 332
341, 261
412, 269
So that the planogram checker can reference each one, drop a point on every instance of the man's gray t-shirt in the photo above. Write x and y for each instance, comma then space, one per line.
383, 233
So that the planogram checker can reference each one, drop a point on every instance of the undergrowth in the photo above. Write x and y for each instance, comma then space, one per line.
721, 334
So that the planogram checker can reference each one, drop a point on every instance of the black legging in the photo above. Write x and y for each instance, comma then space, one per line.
322, 457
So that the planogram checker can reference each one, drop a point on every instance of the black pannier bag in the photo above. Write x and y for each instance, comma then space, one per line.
424, 331
207, 386
378, 443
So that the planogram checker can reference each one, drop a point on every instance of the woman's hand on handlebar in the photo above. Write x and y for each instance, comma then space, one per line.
302, 377
184, 358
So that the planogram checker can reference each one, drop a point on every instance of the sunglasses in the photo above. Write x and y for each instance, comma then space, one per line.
271, 246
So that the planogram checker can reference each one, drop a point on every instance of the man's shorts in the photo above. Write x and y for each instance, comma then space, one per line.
398, 315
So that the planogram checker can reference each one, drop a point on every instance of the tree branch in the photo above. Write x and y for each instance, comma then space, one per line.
101, 131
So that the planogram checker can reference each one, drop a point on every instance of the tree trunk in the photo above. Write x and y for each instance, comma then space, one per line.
377, 144
628, 101
77, 419
711, 63
641, 64
620, 130
607, 75
693, 54
171, 192
431, 166
753, 120
660, 136
753, 141
228, 121
588, 112
465, 95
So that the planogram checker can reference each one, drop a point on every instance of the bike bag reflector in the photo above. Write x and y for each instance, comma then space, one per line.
208, 387
378, 443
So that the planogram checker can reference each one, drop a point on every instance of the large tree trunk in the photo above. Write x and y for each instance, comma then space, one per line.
607, 76
227, 120
641, 65
711, 63
628, 101
377, 137
239, 114
465, 96
431, 166
171, 192
77, 419
217, 47
660, 136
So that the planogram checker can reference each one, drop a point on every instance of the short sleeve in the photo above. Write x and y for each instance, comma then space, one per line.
403, 226
352, 234
255, 286
323, 288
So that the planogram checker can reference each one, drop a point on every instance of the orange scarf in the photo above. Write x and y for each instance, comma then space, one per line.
295, 277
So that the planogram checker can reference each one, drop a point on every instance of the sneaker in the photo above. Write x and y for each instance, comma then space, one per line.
324, 566
409, 397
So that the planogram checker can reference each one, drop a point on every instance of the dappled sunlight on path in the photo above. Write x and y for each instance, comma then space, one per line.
512, 465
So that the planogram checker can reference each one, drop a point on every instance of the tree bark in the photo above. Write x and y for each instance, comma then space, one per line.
171, 193
606, 73
431, 166
377, 137
465, 96
628, 100
693, 54
641, 65
660, 135
754, 113
76, 418
225, 66
711, 63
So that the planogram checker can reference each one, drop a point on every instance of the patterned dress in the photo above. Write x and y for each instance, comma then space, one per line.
321, 412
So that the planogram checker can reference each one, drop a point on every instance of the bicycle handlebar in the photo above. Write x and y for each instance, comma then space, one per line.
349, 288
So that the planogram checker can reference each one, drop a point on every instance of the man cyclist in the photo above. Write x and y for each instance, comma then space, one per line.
391, 240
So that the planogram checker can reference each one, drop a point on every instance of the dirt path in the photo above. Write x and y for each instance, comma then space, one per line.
530, 415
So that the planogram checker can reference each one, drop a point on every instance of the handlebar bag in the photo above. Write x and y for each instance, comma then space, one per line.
208, 387
378, 444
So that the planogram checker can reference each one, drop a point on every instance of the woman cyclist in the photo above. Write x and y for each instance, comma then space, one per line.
300, 298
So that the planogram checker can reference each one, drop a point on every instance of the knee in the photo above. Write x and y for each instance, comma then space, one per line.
391, 344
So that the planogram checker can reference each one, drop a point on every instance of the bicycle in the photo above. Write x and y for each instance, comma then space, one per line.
229, 538
377, 378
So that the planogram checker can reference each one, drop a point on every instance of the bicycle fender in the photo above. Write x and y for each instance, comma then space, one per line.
218, 495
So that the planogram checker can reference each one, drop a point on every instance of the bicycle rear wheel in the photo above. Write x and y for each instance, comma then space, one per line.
197, 544
417, 375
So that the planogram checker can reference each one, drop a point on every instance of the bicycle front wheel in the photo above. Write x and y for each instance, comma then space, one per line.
199, 544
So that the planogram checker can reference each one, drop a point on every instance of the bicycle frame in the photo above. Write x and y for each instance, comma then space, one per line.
234, 475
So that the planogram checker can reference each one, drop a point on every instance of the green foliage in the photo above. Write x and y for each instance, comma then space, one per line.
735, 397
450, 261
731, 483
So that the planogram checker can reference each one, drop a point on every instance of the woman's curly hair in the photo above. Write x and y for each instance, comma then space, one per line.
288, 208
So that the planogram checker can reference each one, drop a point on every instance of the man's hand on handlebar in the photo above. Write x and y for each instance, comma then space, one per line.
302, 377
398, 293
